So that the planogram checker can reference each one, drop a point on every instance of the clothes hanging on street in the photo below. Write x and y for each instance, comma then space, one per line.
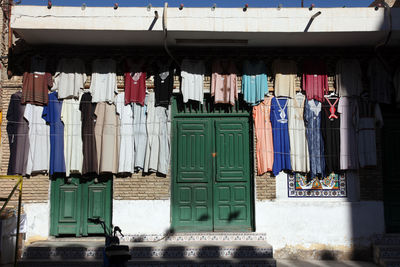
299, 157
103, 84
264, 141
157, 148
348, 78
330, 126
88, 118
126, 149
312, 119
135, 83
370, 117
73, 147
17, 130
192, 86
140, 134
280, 133
223, 82
315, 79
52, 115
348, 109
70, 77
39, 140
254, 81
163, 84
36, 83
380, 82
285, 72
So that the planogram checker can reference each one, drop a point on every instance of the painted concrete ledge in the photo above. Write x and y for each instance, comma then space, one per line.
256, 27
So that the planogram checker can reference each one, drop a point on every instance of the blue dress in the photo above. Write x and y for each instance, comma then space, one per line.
312, 120
52, 115
280, 134
254, 82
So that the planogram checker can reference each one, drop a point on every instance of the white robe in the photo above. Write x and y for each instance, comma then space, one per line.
103, 85
73, 153
39, 140
70, 77
126, 151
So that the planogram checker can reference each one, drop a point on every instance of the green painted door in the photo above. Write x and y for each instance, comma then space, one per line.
211, 189
74, 201
391, 181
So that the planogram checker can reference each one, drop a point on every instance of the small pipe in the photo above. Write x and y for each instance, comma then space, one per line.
10, 31
316, 15
156, 14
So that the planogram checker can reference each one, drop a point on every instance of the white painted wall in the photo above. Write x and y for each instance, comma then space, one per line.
142, 216
307, 222
37, 220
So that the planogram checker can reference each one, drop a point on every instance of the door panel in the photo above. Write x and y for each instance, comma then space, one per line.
192, 207
194, 149
233, 152
73, 202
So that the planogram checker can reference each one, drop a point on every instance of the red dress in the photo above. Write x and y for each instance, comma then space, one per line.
315, 79
135, 87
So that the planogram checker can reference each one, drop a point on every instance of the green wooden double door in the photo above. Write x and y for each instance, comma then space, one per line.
212, 187
73, 201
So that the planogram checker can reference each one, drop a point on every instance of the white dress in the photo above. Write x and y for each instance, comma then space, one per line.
126, 151
39, 140
297, 135
103, 85
70, 77
140, 134
157, 148
73, 150
192, 73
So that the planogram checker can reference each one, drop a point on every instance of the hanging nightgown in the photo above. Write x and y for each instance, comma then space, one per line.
297, 134
70, 77
126, 150
264, 141
52, 115
140, 134
348, 109
312, 119
370, 118
71, 117
330, 125
192, 86
39, 140
103, 84
107, 137
87, 108
18, 131
254, 81
157, 156
280, 133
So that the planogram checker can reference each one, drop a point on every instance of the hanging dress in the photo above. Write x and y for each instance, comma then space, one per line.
69, 78
254, 81
380, 82
18, 136
126, 149
348, 77
223, 82
315, 79
285, 72
348, 109
312, 119
107, 137
264, 141
89, 151
73, 147
39, 140
330, 125
192, 86
280, 133
135, 83
297, 134
52, 115
140, 134
163, 84
103, 84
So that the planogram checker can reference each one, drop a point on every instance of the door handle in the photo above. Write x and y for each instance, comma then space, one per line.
214, 154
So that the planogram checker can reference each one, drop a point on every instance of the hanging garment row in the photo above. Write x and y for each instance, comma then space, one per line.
300, 135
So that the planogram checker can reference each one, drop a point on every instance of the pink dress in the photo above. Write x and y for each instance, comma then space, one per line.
263, 130
223, 82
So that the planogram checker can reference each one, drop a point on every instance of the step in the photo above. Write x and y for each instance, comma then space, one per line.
93, 250
389, 262
155, 263
387, 239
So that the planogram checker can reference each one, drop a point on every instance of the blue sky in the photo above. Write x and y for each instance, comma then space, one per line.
205, 3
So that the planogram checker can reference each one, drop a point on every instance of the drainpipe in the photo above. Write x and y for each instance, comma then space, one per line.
165, 31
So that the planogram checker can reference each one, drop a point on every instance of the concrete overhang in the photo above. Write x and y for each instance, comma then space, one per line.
257, 27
